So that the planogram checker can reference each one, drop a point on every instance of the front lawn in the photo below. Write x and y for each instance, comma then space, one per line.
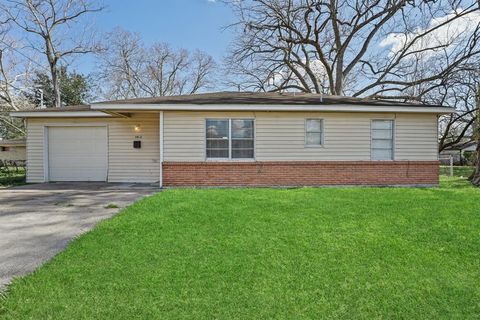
308, 253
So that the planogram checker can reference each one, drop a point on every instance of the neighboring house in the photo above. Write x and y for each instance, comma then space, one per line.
460, 153
13, 150
236, 139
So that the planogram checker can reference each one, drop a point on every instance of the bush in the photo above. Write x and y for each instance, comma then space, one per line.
11, 176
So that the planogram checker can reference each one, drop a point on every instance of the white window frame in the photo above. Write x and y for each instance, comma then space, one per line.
230, 139
322, 132
393, 138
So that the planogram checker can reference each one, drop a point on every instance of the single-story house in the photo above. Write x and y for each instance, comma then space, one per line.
13, 150
237, 139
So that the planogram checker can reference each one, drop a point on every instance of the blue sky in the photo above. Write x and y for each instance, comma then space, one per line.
190, 24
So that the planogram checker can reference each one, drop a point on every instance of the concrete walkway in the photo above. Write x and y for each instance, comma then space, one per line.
38, 221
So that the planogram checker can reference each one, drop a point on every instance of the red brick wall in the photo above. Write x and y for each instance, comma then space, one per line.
300, 173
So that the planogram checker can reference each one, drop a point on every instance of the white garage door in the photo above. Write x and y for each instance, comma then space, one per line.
77, 153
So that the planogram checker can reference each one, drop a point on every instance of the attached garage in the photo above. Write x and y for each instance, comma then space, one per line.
77, 153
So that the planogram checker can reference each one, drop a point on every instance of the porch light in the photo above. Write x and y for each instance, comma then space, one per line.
137, 128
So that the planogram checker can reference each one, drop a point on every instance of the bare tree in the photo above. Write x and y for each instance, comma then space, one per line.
51, 25
130, 69
202, 66
14, 74
119, 64
392, 49
458, 91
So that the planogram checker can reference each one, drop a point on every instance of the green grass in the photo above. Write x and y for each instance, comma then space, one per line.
458, 171
363, 253
12, 178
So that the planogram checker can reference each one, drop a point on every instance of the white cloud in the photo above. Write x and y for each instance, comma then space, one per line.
316, 66
447, 35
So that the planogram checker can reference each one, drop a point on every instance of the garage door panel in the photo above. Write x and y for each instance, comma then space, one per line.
83, 161
77, 153
66, 174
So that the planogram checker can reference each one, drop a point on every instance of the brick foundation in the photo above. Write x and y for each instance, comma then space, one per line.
301, 173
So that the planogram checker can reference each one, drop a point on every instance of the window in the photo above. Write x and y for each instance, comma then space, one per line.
382, 140
218, 136
5, 148
230, 138
242, 139
313, 132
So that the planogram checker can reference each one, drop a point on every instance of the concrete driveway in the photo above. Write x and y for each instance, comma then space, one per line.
37, 221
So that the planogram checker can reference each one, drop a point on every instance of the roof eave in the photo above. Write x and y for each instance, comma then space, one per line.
59, 114
254, 107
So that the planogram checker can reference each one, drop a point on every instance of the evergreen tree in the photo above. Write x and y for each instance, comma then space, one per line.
74, 88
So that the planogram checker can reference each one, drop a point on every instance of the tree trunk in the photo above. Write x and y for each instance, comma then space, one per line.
57, 99
475, 177
52, 62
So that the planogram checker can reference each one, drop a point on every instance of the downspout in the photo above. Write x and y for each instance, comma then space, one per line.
161, 149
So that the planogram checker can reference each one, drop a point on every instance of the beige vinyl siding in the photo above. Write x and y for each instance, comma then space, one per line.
125, 163
35, 151
417, 137
280, 136
184, 133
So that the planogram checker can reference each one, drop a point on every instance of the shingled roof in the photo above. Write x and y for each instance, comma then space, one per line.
244, 101
260, 98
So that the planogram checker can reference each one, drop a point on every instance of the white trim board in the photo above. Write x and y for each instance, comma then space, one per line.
59, 114
161, 146
250, 107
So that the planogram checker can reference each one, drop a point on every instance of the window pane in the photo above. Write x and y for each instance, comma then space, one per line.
314, 139
382, 154
382, 140
242, 128
242, 139
381, 134
217, 153
314, 125
217, 144
217, 129
382, 144
382, 124
242, 153
242, 123
242, 144
242, 133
